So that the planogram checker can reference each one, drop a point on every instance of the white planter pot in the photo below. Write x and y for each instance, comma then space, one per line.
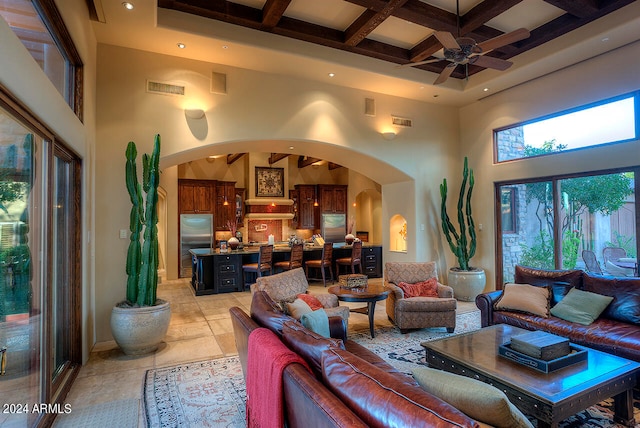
139, 331
349, 238
467, 284
233, 242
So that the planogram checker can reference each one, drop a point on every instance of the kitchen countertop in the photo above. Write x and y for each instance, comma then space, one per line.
281, 248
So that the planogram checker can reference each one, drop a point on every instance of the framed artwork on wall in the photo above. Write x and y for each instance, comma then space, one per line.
269, 182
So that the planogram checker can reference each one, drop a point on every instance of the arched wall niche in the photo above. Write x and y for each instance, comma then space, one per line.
398, 234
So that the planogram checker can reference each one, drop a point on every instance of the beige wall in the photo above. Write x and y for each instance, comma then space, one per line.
23, 78
260, 113
599, 78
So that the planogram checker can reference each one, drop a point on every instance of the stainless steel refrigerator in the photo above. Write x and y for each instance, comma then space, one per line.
196, 231
333, 227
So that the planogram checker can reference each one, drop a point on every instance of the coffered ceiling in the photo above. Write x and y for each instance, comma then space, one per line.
370, 44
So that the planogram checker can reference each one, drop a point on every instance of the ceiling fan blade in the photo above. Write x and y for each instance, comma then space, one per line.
415, 64
444, 75
504, 39
447, 40
490, 62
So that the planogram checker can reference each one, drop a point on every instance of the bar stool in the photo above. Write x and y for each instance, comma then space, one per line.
295, 261
264, 264
323, 263
353, 261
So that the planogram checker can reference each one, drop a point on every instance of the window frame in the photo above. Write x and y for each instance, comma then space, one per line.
555, 181
635, 95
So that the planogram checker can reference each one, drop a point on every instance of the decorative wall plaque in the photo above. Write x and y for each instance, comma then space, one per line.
269, 182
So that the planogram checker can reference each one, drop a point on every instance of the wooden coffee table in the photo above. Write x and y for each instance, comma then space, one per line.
369, 295
551, 397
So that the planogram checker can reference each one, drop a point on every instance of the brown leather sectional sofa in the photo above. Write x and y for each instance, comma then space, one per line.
616, 331
350, 386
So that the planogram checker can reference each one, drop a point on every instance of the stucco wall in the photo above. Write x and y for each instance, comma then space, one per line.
597, 79
260, 112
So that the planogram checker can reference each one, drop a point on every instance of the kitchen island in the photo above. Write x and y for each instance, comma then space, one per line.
216, 272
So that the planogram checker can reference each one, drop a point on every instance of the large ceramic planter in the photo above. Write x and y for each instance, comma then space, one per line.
466, 284
139, 331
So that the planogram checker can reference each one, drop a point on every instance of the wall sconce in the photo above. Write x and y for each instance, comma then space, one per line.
194, 113
389, 135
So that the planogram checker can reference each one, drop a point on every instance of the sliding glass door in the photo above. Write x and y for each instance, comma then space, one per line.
566, 222
39, 269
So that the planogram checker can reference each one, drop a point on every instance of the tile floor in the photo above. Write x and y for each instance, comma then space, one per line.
200, 329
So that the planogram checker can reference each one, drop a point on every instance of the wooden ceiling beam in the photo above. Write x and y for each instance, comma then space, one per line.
234, 157
368, 21
333, 166
579, 8
483, 12
275, 157
304, 161
273, 11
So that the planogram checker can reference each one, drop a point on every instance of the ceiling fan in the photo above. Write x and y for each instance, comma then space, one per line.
465, 50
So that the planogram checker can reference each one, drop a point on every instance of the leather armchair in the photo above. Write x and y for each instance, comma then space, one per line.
418, 312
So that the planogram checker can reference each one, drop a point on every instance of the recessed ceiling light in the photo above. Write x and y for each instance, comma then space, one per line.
182, 45
332, 74
486, 89
605, 39
225, 47
435, 95
291, 147
127, 5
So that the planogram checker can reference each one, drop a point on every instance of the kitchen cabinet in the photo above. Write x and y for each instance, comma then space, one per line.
307, 212
196, 196
228, 273
225, 193
332, 198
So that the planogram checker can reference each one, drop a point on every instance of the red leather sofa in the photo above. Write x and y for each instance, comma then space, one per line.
350, 386
616, 330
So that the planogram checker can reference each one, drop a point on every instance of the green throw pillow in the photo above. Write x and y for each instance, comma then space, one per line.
582, 307
481, 401
317, 321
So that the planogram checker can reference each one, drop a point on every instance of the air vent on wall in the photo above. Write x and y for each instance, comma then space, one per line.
401, 121
164, 88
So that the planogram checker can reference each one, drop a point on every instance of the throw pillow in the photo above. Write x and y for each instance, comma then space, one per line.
310, 300
428, 288
525, 298
479, 400
384, 399
625, 306
317, 321
582, 307
298, 308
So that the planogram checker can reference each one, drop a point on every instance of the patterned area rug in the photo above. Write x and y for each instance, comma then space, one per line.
212, 393
203, 394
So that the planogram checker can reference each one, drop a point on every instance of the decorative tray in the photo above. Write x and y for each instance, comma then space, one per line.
577, 354
353, 280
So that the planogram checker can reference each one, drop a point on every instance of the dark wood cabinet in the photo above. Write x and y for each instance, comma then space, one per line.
228, 273
307, 212
225, 204
196, 196
333, 198
372, 261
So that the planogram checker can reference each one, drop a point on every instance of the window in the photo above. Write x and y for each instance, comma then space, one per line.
40, 27
610, 121
564, 215
508, 209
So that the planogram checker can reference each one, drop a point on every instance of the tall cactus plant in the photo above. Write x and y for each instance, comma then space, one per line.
142, 260
462, 247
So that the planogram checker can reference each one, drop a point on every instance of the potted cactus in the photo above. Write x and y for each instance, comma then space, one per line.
467, 281
140, 322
